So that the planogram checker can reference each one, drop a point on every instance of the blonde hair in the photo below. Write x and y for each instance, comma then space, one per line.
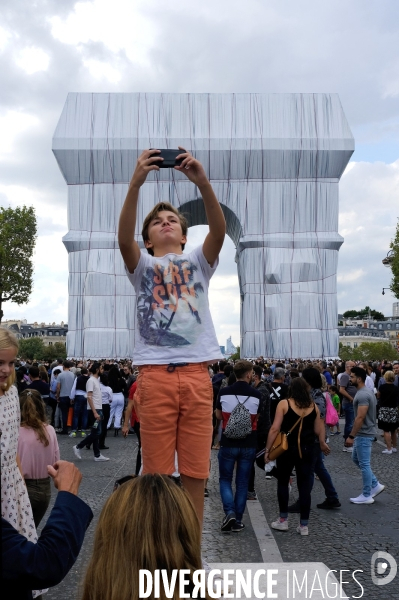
324, 386
147, 523
389, 376
33, 414
8, 340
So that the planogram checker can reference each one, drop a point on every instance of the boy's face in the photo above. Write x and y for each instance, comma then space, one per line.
165, 230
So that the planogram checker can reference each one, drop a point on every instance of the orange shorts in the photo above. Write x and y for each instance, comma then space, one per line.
175, 412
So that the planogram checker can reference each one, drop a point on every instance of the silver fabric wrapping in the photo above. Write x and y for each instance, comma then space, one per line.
274, 160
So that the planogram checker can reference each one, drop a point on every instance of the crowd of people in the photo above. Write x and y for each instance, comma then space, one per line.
274, 415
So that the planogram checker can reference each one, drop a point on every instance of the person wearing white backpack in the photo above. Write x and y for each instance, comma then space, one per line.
237, 407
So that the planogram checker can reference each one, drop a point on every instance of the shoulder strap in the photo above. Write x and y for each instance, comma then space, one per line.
244, 400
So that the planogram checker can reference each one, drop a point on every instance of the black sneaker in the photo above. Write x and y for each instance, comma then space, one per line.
228, 522
294, 508
237, 527
206, 493
330, 504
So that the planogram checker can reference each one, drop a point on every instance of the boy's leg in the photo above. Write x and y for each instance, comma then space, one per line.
195, 487
194, 430
158, 409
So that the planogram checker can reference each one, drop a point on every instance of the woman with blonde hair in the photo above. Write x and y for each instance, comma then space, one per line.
15, 505
37, 448
148, 523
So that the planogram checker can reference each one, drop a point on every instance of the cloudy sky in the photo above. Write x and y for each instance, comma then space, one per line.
49, 48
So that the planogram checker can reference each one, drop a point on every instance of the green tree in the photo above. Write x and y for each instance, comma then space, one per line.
236, 354
57, 350
394, 245
18, 231
376, 351
31, 348
345, 352
364, 312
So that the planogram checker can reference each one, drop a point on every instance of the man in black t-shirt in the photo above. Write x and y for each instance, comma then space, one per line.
278, 391
38, 384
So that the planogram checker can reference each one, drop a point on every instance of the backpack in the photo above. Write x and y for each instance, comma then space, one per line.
332, 417
239, 424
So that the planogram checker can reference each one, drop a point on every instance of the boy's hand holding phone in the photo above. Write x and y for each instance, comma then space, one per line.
145, 163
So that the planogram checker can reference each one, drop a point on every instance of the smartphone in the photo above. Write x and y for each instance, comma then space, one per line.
169, 158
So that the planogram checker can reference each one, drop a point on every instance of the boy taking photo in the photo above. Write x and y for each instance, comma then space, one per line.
175, 336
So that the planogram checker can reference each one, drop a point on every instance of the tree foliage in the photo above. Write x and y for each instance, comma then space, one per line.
363, 313
369, 351
34, 348
394, 245
18, 231
236, 354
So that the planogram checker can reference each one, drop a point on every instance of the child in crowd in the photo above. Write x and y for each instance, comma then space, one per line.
175, 337
37, 448
337, 405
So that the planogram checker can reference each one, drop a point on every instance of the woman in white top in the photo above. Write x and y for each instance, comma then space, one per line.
118, 386
106, 398
37, 448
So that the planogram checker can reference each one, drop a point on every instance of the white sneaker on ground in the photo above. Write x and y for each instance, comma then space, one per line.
394, 449
347, 449
362, 499
77, 453
377, 489
280, 526
386, 451
303, 529
100, 458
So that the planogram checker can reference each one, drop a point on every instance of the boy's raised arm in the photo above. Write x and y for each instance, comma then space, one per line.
194, 171
128, 246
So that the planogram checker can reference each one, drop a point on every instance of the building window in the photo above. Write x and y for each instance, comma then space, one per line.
388, 326
355, 345
380, 326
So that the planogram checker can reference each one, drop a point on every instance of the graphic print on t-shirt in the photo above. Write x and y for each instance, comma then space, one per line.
170, 303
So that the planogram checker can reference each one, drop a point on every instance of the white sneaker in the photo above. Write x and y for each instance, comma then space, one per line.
281, 526
394, 449
362, 499
377, 489
77, 453
303, 529
327, 442
347, 449
386, 451
100, 458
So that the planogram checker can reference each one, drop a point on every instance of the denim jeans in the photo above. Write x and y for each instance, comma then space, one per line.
79, 410
322, 473
361, 456
39, 492
227, 459
94, 436
349, 418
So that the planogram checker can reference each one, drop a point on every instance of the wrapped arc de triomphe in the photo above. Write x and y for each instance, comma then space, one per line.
274, 160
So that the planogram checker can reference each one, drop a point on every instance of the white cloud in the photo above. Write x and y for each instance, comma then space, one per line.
12, 124
4, 37
350, 276
32, 60
102, 70
119, 25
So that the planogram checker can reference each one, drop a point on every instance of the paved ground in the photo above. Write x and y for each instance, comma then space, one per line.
342, 539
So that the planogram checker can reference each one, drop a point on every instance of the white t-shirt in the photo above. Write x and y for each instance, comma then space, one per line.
93, 385
106, 394
174, 323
